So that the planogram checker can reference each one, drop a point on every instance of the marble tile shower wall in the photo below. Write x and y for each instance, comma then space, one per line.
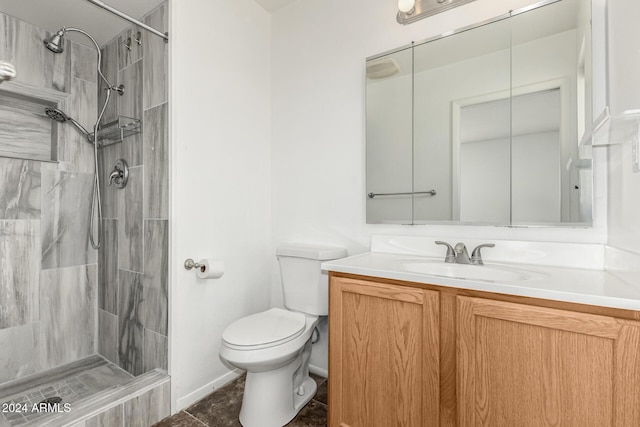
133, 265
48, 270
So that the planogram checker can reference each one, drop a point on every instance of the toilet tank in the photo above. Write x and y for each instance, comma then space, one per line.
304, 285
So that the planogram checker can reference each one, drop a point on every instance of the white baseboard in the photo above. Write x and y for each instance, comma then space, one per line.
206, 389
319, 371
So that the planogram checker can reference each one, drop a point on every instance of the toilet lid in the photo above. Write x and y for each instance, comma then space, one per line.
271, 327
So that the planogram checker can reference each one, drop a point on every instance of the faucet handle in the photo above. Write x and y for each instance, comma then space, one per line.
476, 256
120, 174
451, 254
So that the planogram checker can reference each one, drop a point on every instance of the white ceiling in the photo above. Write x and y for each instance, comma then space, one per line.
102, 25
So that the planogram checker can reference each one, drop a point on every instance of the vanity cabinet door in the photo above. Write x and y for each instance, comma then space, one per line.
383, 355
521, 365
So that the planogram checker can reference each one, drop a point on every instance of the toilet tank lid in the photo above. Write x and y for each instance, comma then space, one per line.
317, 252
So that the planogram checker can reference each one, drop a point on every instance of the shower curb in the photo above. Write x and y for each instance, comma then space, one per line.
108, 399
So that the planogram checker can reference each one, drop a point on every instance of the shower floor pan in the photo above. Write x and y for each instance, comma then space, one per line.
87, 387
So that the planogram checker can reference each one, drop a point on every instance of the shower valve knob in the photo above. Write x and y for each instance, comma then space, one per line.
120, 174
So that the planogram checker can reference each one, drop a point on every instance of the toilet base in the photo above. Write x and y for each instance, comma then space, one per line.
273, 398
309, 390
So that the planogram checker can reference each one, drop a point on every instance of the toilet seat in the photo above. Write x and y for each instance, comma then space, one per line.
266, 329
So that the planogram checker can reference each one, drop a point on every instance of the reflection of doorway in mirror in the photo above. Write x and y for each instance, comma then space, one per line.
513, 162
483, 157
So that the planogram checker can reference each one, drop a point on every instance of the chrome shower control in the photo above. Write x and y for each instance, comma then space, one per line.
120, 174
119, 89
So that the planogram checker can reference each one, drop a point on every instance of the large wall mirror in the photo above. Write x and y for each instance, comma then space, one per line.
483, 126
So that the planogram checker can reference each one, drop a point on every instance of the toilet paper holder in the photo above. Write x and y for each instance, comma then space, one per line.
189, 264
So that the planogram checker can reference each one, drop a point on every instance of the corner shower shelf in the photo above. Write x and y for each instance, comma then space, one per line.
117, 130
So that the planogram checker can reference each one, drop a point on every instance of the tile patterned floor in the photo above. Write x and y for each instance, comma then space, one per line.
71, 389
222, 407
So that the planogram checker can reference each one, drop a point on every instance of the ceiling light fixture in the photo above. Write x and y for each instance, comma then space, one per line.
410, 11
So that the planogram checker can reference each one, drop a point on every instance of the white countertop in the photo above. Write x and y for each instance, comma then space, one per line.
578, 285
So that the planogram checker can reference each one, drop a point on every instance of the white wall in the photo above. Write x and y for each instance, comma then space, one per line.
318, 134
624, 69
220, 180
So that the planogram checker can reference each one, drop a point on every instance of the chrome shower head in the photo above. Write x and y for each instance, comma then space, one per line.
55, 43
60, 117
56, 115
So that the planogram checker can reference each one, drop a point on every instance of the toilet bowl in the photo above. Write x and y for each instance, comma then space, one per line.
274, 346
278, 383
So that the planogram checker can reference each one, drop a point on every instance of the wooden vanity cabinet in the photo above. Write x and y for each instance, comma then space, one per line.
384, 351
403, 354
529, 366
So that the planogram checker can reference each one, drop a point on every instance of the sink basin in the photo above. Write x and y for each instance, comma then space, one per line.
487, 272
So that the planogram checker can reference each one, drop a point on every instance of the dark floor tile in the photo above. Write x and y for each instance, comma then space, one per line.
317, 378
312, 415
221, 408
322, 393
181, 419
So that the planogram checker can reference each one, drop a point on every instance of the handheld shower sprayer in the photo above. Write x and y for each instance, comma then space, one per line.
60, 117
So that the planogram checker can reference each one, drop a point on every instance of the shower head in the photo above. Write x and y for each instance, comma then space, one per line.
56, 115
55, 43
60, 117
7, 71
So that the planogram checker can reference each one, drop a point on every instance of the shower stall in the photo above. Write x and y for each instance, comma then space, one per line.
83, 264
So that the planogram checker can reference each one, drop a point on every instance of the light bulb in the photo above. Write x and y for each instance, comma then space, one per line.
406, 6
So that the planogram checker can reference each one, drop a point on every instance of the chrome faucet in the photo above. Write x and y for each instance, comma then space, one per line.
459, 254
462, 256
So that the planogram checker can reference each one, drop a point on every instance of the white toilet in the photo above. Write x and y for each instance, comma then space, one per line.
274, 346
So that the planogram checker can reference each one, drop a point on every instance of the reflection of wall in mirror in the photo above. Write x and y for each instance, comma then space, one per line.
389, 153
541, 60
529, 191
561, 55
435, 90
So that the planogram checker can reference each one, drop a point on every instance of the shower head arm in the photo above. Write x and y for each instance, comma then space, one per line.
95, 43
